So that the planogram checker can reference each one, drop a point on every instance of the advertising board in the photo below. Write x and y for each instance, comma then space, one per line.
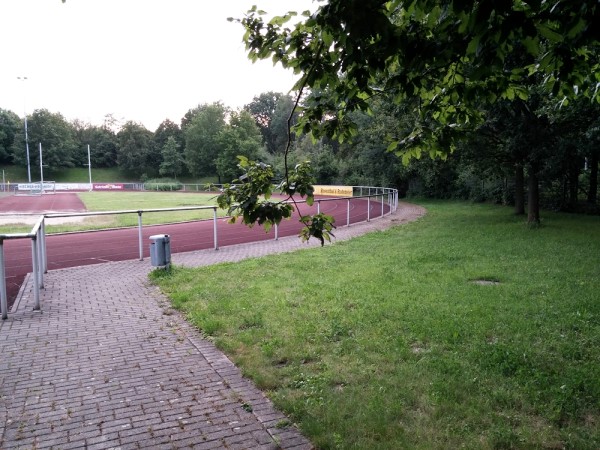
109, 186
333, 191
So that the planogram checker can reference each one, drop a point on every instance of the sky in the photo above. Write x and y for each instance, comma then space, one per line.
140, 60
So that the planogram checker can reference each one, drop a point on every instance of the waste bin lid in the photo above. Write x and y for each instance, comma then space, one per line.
158, 236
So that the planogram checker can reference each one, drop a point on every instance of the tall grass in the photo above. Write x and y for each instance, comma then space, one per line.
388, 342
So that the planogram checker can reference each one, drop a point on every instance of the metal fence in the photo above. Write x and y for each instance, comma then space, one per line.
37, 236
139, 186
385, 196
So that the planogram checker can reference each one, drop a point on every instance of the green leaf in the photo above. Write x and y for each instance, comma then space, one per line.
549, 33
577, 28
327, 39
532, 45
473, 47
393, 146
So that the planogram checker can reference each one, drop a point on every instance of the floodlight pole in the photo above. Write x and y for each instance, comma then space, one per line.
41, 170
23, 79
27, 151
89, 164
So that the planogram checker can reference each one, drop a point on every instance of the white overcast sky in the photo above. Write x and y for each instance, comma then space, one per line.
141, 60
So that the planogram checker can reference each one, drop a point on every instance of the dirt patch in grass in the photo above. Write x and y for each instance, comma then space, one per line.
30, 219
486, 282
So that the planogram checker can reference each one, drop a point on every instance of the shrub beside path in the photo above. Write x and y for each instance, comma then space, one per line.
108, 364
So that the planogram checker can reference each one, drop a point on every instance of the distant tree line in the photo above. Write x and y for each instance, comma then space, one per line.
521, 146
206, 142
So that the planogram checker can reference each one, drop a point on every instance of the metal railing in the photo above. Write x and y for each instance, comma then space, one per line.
38, 244
139, 186
139, 213
37, 234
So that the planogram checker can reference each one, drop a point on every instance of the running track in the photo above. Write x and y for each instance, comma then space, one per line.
78, 249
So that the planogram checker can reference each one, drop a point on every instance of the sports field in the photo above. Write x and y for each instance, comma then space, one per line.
18, 212
120, 238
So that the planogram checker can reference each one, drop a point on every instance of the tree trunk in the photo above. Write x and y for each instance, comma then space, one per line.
573, 185
533, 203
519, 190
593, 192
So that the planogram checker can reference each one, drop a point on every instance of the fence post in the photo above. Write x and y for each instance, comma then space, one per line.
38, 247
381, 205
140, 243
35, 264
215, 227
348, 214
3, 299
43, 246
368, 209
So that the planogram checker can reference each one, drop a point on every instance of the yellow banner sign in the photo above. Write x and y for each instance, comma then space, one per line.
334, 191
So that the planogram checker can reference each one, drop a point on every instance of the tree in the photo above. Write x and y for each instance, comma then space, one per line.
56, 136
136, 149
202, 144
168, 129
593, 159
249, 198
10, 124
81, 134
190, 114
102, 141
563, 166
112, 123
451, 56
172, 160
325, 167
271, 111
241, 137
576, 126
284, 118
365, 157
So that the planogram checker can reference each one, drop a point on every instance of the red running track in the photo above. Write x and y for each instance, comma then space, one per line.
78, 249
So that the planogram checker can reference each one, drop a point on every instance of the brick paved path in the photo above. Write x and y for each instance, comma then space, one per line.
107, 364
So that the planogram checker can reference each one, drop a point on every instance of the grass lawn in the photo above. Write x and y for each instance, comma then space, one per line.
385, 341
115, 201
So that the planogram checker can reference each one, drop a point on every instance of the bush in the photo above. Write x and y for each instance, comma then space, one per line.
163, 184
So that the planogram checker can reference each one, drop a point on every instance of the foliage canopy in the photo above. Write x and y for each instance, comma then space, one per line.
449, 55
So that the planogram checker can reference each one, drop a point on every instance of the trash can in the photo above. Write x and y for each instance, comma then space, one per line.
160, 250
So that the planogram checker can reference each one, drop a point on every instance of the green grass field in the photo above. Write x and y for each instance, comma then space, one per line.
387, 342
114, 201
118, 201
